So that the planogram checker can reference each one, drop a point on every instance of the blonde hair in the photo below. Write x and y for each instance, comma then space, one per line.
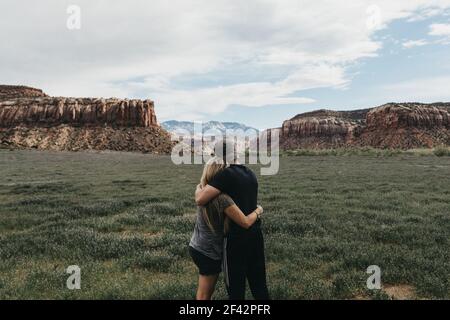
211, 211
211, 168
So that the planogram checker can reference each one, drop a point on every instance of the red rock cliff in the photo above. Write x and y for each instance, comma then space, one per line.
31, 119
322, 129
49, 111
409, 115
407, 125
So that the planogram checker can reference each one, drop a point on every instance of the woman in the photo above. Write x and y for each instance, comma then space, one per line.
206, 245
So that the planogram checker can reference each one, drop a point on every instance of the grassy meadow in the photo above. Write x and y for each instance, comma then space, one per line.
126, 220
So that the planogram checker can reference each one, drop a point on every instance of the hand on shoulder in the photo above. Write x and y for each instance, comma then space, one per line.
259, 209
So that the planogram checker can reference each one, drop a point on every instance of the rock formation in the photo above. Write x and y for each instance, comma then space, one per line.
49, 111
31, 119
14, 92
405, 126
322, 129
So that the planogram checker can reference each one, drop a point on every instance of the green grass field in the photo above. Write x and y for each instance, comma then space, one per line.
126, 220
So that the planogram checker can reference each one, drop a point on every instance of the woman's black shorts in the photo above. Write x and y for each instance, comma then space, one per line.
206, 265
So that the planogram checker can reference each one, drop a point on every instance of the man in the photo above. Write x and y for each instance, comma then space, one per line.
243, 249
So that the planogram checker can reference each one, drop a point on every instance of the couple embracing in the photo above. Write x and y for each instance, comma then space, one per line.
227, 235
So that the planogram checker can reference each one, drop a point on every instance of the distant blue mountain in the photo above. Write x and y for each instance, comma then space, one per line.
174, 126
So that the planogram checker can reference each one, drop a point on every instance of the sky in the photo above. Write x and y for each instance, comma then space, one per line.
254, 62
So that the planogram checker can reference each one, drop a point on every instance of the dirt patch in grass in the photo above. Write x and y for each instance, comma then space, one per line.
400, 291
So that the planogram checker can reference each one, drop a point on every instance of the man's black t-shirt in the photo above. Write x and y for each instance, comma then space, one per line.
240, 183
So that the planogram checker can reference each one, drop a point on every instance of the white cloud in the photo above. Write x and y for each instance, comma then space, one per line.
216, 99
414, 43
426, 14
139, 48
440, 29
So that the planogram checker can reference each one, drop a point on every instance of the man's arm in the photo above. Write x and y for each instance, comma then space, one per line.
205, 195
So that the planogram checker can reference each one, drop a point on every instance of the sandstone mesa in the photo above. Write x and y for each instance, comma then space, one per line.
31, 119
393, 125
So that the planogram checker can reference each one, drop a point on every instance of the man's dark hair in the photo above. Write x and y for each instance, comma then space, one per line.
225, 149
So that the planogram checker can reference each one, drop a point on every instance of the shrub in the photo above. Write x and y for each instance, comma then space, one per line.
442, 151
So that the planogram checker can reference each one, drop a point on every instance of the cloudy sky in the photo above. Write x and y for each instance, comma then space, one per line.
253, 61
